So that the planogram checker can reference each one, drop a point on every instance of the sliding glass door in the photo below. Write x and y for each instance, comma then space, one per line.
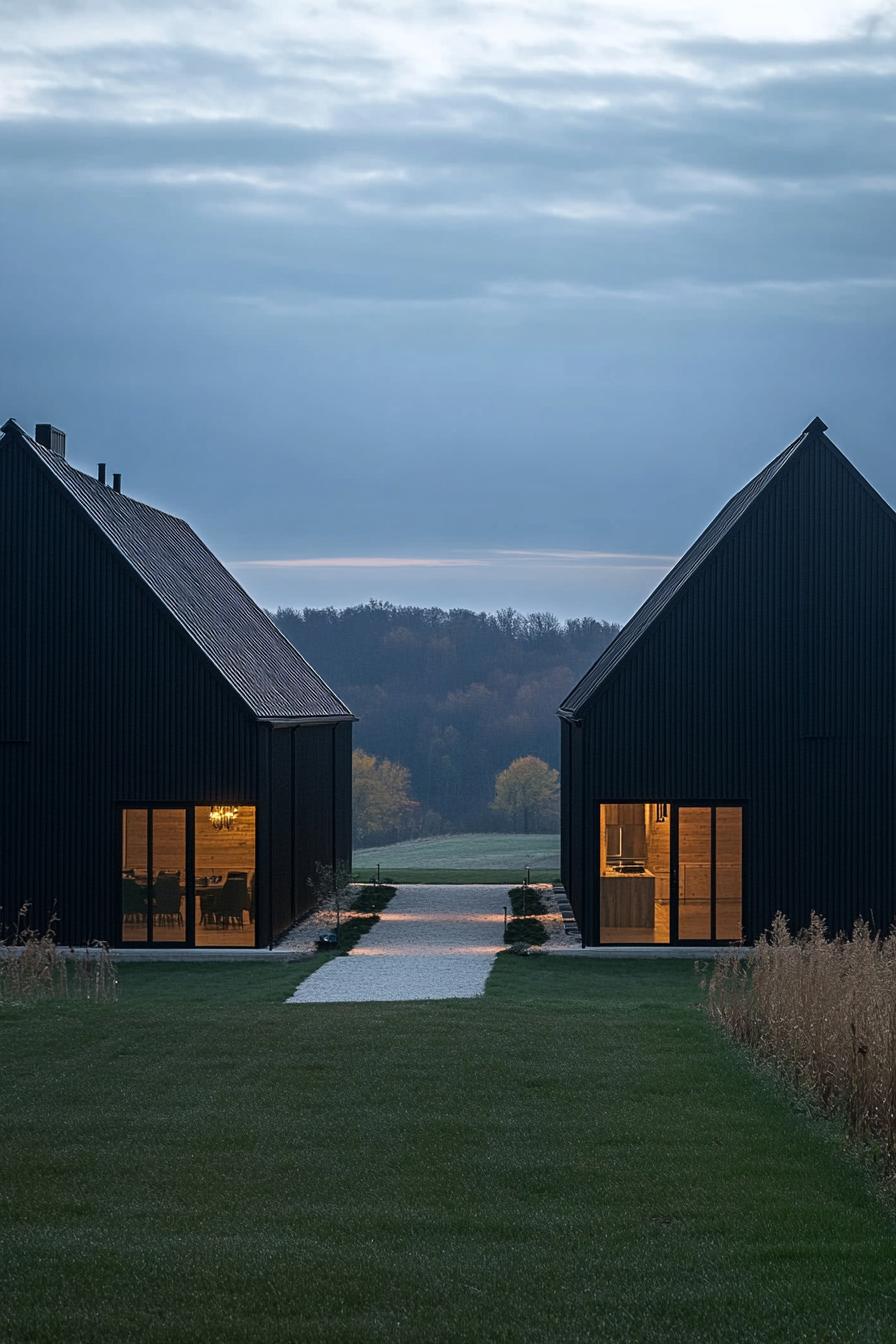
188, 875
225, 876
670, 873
154, 875
708, 875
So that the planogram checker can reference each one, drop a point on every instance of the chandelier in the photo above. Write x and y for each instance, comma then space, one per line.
223, 815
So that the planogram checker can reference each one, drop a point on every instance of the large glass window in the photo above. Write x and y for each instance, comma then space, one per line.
635, 884
178, 862
225, 876
134, 875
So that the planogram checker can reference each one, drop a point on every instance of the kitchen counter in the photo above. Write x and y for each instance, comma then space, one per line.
627, 900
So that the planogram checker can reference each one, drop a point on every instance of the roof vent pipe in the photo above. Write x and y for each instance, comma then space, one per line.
116, 481
101, 473
51, 438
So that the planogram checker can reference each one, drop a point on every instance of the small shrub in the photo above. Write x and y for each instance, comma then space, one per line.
331, 891
528, 931
527, 901
360, 911
370, 900
520, 949
354, 928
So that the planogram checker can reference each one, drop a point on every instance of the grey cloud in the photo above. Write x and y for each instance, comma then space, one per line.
864, 46
529, 290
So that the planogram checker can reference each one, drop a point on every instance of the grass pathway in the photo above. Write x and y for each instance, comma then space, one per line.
575, 1156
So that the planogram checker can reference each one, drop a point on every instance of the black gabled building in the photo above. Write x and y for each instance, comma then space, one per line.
731, 753
171, 769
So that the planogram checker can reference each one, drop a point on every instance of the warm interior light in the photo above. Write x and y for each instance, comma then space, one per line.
223, 815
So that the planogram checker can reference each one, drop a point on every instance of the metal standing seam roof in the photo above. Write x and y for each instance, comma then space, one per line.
678, 576
240, 640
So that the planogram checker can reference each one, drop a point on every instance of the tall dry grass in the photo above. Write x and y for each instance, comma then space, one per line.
34, 968
823, 1011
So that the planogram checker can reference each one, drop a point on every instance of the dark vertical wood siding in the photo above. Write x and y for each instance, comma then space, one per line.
282, 848
565, 786
313, 806
16, 597
768, 681
342, 794
104, 702
123, 709
311, 814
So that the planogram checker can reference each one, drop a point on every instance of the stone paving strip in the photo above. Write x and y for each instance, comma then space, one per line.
431, 942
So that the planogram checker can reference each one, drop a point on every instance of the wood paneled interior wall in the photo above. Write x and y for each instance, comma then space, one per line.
169, 842
659, 853
694, 853
224, 851
216, 851
135, 841
729, 872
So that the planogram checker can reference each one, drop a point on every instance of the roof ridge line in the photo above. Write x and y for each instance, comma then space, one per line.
230, 630
671, 584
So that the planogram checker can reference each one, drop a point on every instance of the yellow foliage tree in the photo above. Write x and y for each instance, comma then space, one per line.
381, 798
528, 791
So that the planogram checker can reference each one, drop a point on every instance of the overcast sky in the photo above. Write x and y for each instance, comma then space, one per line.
465, 303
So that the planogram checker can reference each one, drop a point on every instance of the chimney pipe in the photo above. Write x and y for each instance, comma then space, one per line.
101, 473
51, 438
116, 481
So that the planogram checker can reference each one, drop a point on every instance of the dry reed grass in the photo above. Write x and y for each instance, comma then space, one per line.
822, 1010
33, 969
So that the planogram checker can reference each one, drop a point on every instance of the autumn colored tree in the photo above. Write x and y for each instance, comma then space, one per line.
381, 799
528, 792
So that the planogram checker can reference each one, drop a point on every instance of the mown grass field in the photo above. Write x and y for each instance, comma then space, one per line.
577, 1156
465, 858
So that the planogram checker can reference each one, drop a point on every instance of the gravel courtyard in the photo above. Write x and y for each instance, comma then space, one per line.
431, 942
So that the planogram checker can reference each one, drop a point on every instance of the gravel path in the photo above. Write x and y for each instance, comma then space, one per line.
431, 942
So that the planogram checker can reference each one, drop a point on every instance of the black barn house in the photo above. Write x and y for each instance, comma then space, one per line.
731, 753
171, 768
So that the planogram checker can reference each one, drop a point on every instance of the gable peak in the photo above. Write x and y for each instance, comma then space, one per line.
816, 426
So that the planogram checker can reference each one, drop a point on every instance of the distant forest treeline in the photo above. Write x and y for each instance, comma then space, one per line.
453, 695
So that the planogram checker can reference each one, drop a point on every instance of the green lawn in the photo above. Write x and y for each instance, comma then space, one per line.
578, 1156
465, 858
